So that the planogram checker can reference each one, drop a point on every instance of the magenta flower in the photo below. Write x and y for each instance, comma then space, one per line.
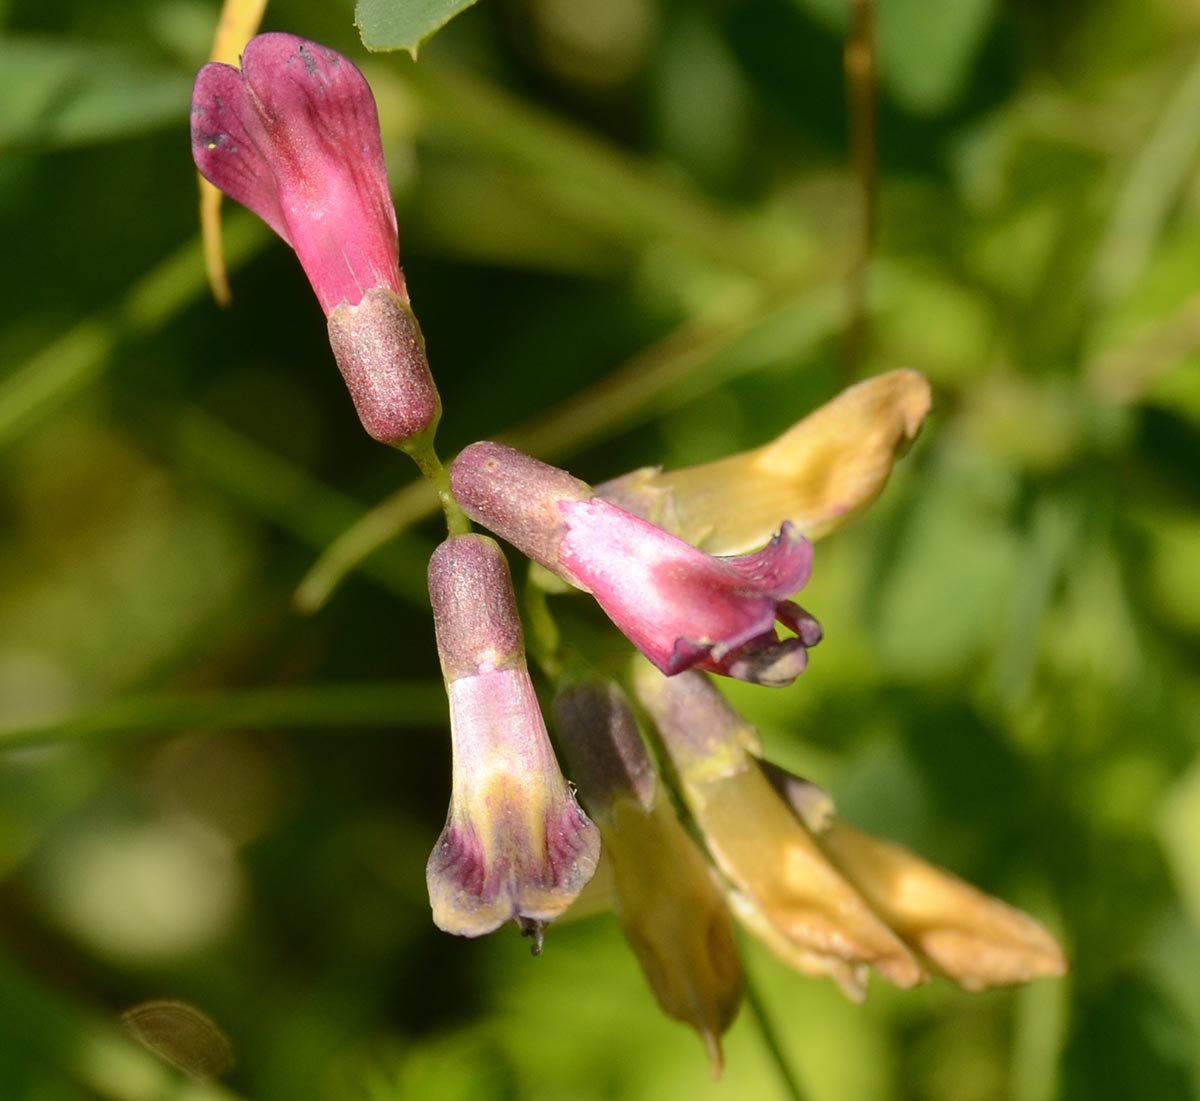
681, 607
294, 136
516, 844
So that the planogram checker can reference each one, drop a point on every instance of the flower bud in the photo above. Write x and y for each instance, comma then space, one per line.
294, 135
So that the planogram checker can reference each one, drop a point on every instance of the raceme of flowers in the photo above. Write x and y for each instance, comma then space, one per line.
680, 825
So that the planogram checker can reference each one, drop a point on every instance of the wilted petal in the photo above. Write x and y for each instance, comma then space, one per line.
967, 935
516, 844
819, 474
971, 937
783, 885
976, 940
681, 607
669, 905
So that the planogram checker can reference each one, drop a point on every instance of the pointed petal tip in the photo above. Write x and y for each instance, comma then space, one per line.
716, 1055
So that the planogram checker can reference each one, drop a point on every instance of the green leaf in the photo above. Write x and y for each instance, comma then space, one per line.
403, 24
926, 49
55, 93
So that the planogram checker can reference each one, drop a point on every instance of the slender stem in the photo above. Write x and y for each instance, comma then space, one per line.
367, 704
859, 62
611, 192
770, 1038
423, 454
74, 361
270, 487
544, 642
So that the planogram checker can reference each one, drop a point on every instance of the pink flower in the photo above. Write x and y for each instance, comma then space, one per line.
681, 607
516, 843
294, 136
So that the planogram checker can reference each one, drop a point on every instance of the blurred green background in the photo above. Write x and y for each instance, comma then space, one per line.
207, 795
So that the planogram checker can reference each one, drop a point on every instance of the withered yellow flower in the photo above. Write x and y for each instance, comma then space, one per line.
965, 934
819, 474
665, 895
825, 896
782, 885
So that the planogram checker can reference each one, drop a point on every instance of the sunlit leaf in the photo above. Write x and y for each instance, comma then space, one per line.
403, 24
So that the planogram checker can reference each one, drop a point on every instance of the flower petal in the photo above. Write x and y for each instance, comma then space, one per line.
680, 606
516, 844
229, 145
295, 137
819, 474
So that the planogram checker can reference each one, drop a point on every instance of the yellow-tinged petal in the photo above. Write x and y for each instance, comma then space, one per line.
783, 885
819, 474
665, 893
675, 919
851, 977
597, 894
976, 940
773, 862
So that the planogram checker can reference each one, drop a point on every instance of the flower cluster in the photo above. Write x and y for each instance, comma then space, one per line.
698, 568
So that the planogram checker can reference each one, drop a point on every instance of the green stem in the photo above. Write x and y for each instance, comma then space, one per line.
268, 486
395, 703
544, 641
72, 362
859, 65
592, 181
770, 1037
422, 453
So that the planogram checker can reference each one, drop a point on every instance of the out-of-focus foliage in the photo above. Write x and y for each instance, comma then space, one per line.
210, 797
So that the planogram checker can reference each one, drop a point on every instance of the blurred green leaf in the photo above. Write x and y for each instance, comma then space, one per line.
366, 704
949, 584
403, 24
927, 47
73, 361
55, 92
1130, 1040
